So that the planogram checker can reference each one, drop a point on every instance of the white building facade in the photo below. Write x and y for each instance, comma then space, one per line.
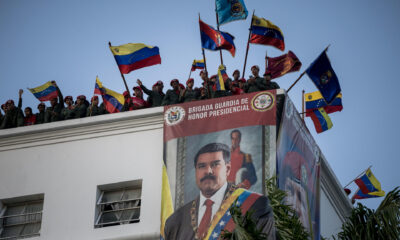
81, 170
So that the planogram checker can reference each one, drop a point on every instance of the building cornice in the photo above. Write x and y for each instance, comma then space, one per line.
334, 191
80, 129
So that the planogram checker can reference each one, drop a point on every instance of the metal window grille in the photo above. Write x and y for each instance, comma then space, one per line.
117, 207
21, 220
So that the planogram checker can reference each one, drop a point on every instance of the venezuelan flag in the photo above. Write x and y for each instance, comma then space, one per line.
315, 100
44, 92
369, 185
215, 40
198, 64
166, 201
322, 121
222, 77
133, 56
266, 33
113, 101
360, 195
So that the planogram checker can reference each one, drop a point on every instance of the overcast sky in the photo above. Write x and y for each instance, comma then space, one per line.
68, 41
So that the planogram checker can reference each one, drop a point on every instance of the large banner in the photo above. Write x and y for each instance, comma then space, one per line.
298, 168
219, 152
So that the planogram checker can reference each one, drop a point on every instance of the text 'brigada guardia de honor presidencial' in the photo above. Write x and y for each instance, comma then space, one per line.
218, 109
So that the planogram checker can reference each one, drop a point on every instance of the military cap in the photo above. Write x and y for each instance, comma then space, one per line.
81, 97
94, 98
137, 87
174, 80
267, 73
41, 104
68, 97
189, 80
255, 66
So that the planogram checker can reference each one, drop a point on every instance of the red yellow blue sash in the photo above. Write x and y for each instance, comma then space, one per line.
223, 219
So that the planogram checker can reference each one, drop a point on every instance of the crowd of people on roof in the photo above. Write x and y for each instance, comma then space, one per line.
65, 108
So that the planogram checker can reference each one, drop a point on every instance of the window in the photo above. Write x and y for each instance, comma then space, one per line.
21, 218
118, 204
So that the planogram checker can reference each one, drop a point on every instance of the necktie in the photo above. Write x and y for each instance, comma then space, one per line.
205, 221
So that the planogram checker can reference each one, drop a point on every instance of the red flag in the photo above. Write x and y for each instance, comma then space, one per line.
279, 66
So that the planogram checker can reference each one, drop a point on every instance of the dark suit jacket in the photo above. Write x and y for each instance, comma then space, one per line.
179, 226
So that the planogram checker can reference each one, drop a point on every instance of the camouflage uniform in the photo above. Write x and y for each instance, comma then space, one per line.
103, 109
40, 116
53, 114
259, 84
80, 110
188, 96
171, 97
13, 118
93, 111
272, 85
155, 96
67, 113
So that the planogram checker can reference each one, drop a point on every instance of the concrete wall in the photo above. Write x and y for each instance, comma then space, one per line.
66, 161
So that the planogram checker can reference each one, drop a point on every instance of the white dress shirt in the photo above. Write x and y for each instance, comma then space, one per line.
217, 198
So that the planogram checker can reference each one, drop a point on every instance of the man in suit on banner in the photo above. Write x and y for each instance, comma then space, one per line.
208, 214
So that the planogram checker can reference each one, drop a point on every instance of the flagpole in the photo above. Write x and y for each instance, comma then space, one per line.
296, 81
91, 109
358, 176
122, 75
248, 44
190, 73
302, 105
216, 14
204, 58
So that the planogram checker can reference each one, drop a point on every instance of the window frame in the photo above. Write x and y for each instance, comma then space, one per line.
24, 201
117, 187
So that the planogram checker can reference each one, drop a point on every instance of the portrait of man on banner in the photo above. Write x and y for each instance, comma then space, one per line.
207, 215
245, 145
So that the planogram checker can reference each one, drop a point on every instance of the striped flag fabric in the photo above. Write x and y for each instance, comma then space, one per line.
369, 186
321, 120
134, 56
112, 100
266, 33
44, 92
198, 64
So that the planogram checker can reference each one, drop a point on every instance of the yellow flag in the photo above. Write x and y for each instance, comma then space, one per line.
166, 201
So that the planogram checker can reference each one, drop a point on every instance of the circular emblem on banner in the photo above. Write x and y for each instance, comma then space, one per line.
262, 101
174, 115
